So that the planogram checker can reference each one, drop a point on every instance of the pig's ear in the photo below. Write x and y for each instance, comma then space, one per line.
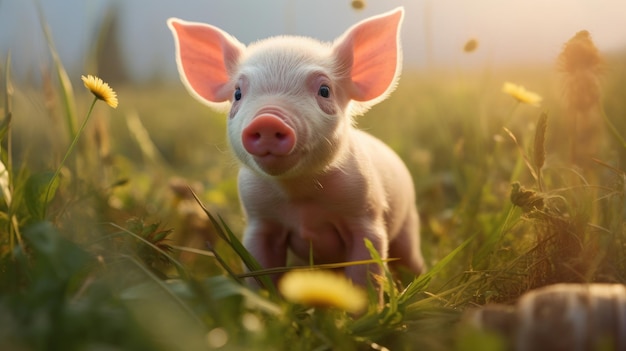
370, 52
206, 57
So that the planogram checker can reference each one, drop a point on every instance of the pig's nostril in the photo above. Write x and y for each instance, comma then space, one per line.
258, 136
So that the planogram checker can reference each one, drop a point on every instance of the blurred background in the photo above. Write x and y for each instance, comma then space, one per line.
140, 47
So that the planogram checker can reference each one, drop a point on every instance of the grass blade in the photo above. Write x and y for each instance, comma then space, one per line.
325, 266
7, 174
140, 134
421, 282
539, 154
224, 232
524, 155
539, 151
614, 130
8, 94
66, 85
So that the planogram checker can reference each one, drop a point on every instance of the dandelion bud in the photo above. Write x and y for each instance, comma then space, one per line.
358, 4
470, 46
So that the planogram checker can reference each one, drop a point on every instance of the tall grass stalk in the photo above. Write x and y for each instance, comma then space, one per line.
614, 131
7, 174
66, 85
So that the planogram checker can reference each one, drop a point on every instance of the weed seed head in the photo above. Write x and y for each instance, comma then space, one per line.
582, 64
100, 90
580, 54
527, 200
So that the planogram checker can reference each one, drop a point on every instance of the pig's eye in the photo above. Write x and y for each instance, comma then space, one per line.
237, 94
324, 91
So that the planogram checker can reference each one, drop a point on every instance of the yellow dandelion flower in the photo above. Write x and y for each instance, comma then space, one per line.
100, 90
470, 46
319, 288
520, 94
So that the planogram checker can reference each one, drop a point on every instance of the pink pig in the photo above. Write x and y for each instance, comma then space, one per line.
310, 182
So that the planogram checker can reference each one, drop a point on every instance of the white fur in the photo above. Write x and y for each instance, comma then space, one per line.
338, 186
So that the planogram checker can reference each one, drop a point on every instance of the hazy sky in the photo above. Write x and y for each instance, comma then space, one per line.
433, 34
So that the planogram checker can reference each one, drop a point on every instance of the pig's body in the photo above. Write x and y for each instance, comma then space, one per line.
311, 182
369, 195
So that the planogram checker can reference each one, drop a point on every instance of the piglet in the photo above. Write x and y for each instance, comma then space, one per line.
311, 182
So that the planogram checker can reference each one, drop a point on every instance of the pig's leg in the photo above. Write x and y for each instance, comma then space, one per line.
267, 243
359, 274
406, 246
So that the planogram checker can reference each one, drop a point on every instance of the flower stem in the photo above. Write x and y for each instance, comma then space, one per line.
67, 154
511, 113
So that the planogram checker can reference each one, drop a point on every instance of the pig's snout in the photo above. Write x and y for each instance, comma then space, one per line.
268, 135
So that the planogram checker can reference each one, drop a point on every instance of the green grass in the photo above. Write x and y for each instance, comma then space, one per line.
120, 260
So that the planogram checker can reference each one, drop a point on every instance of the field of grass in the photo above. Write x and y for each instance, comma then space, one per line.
118, 255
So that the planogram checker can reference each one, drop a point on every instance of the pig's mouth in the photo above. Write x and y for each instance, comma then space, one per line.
276, 165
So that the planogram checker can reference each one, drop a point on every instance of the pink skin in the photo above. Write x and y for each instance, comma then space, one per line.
267, 138
310, 182
268, 135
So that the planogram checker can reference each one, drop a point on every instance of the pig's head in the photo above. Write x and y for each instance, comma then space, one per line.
292, 98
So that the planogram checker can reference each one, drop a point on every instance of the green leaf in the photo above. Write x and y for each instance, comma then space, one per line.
55, 254
36, 191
